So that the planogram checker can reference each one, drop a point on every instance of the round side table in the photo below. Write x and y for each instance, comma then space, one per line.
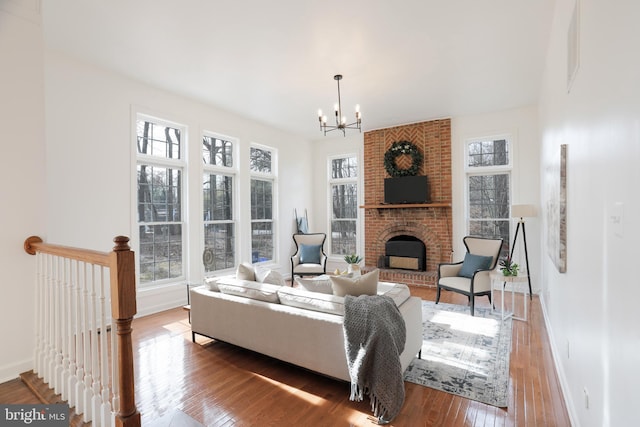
497, 277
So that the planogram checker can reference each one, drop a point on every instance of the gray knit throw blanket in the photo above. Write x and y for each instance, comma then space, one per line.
375, 334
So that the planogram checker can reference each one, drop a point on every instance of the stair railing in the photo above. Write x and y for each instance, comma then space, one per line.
80, 295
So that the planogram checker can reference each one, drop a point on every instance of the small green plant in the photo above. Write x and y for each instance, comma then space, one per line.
352, 259
508, 267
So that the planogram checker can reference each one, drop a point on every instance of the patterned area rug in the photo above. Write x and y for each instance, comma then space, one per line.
464, 355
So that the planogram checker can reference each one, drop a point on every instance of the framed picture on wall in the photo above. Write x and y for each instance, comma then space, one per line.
556, 210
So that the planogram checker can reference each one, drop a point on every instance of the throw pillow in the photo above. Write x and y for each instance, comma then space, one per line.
269, 276
367, 284
472, 263
212, 283
310, 254
245, 271
320, 284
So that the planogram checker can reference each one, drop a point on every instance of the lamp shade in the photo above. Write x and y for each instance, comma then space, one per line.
521, 211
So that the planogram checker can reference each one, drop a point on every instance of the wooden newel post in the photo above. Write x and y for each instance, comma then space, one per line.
123, 308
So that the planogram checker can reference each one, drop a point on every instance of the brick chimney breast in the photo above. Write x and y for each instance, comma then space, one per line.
430, 223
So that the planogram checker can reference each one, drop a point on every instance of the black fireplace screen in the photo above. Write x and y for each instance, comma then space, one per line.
405, 252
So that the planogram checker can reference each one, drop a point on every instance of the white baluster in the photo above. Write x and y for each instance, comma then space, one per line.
80, 267
58, 325
51, 317
38, 357
73, 368
115, 373
97, 331
105, 327
65, 328
87, 313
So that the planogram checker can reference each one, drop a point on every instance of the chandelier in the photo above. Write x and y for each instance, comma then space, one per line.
341, 121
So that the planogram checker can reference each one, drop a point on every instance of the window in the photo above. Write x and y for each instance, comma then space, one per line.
217, 196
489, 189
160, 171
262, 166
344, 205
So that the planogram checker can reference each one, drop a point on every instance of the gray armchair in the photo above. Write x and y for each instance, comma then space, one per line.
471, 276
309, 259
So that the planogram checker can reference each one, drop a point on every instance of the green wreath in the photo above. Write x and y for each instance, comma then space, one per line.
397, 149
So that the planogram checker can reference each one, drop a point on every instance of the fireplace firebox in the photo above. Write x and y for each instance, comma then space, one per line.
405, 252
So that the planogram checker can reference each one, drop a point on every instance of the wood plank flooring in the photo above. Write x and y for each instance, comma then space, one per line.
221, 385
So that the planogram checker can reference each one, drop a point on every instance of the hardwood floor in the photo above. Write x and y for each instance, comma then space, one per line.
221, 385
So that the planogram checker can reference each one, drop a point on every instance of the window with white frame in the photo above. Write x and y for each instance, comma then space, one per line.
488, 165
160, 174
263, 174
343, 187
219, 223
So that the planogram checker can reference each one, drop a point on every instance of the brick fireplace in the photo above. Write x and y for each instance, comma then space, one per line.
431, 222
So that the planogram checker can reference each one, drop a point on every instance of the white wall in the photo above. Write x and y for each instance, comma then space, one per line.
521, 126
90, 178
22, 175
592, 309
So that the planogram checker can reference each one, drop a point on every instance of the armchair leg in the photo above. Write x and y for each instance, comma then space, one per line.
438, 294
472, 301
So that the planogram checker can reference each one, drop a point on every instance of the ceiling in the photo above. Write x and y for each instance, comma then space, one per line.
274, 61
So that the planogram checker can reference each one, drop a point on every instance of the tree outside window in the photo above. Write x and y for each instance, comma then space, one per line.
489, 189
262, 204
344, 205
159, 201
217, 197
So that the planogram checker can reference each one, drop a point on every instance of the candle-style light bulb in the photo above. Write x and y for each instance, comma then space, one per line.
319, 113
335, 107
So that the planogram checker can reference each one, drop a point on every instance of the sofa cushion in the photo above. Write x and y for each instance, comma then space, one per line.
315, 301
245, 271
366, 284
273, 277
310, 254
472, 263
248, 289
321, 284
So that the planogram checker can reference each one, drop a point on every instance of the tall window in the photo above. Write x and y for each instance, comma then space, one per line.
262, 208
217, 196
344, 204
160, 171
489, 188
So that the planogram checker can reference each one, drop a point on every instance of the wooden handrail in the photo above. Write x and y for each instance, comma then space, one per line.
121, 262
34, 244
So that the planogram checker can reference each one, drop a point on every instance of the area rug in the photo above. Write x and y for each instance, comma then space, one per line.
462, 354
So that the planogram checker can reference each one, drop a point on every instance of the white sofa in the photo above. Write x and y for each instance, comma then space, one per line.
274, 326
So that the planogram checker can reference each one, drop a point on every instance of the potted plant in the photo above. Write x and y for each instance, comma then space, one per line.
352, 263
508, 267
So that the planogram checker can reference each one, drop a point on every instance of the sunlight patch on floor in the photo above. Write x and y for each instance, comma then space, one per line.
447, 354
179, 326
466, 323
309, 397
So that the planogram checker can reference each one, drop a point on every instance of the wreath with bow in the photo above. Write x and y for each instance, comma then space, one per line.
397, 149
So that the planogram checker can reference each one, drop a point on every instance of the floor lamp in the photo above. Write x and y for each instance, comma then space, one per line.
522, 211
